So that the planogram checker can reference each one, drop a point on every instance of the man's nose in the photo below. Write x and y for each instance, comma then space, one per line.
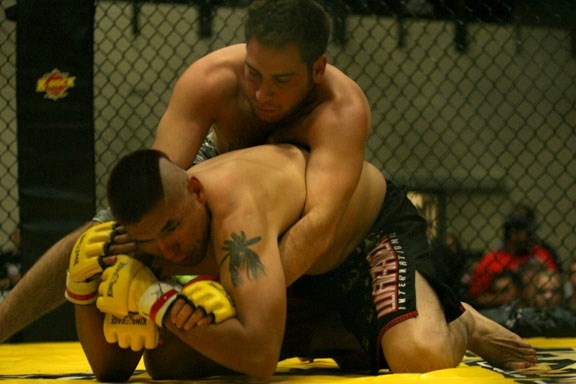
168, 249
264, 91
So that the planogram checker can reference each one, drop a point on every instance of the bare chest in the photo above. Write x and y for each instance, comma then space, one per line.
238, 128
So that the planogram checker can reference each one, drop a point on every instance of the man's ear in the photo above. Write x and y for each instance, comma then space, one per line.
318, 68
195, 187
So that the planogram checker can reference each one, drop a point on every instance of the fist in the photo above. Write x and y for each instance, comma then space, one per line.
90, 248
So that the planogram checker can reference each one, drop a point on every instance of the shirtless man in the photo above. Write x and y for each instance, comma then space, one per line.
277, 87
223, 217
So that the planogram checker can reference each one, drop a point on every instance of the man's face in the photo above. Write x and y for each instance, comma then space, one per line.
523, 242
175, 230
277, 80
545, 291
504, 290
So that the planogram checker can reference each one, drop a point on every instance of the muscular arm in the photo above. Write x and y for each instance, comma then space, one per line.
198, 97
109, 362
184, 125
251, 272
41, 289
334, 168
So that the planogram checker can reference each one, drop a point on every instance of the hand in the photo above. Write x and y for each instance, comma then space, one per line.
185, 315
86, 258
205, 301
133, 331
130, 287
86, 263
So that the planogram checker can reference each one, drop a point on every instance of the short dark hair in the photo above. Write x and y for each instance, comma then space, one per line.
280, 22
135, 185
517, 223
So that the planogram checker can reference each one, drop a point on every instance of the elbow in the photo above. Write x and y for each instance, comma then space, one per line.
114, 375
263, 370
111, 371
262, 365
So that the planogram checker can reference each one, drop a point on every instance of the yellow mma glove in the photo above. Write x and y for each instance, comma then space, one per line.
206, 293
86, 263
133, 331
130, 287
85, 259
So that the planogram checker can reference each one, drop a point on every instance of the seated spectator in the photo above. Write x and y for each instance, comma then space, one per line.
543, 290
464, 262
539, 311
10, 266
527, 212
451, 256
504, 289
518, 250
570, 287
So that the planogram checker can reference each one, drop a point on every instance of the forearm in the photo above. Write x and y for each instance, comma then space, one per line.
40, 291
304, 244
108, 361
232, 346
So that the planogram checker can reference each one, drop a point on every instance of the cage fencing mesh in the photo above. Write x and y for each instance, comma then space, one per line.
473, 103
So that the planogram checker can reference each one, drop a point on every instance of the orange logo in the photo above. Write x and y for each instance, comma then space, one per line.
55, 84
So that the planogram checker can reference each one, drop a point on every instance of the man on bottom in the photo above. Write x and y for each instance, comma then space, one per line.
226, 217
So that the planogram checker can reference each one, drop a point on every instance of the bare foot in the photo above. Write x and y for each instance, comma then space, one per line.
497, 345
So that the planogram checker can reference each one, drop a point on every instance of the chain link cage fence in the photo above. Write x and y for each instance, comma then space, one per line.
473, 103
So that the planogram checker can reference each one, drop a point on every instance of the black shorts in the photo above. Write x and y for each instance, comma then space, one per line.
374, 288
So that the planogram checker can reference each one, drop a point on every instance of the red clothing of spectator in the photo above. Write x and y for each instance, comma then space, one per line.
495, 262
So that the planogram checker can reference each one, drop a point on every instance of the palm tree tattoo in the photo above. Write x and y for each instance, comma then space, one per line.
239, 252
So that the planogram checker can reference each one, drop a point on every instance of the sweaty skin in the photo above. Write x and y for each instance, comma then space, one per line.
224, 217
243, 94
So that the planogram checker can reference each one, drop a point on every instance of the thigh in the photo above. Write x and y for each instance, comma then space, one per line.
425, 342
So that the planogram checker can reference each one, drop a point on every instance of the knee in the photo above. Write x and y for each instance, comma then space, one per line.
412, 355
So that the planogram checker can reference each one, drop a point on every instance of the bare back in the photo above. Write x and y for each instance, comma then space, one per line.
267, 179
271, 180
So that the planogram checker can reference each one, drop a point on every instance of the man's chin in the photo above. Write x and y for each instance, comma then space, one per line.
268, 116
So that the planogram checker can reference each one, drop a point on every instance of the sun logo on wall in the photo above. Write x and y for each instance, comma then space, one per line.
55, 84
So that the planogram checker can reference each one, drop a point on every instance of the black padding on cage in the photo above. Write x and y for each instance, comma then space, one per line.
55, 131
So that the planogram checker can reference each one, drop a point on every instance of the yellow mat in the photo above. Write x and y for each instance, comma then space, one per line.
53, 362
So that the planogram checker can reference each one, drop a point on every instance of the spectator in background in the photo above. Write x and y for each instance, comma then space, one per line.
570, 287
526, 211
539, 311
519, 249
543, 290
504, 288
461, 261
10, 265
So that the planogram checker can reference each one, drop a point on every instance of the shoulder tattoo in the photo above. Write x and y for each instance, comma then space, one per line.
238, 251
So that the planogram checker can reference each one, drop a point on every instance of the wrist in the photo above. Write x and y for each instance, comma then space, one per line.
156, 302
83, 293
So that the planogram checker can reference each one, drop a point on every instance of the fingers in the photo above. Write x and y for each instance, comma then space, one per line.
119, 243
185, 316
106, 261
120, 249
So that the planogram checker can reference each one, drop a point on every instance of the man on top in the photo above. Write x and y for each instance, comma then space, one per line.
277, 87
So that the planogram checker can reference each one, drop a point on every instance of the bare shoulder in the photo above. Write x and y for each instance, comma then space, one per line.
343, 93
233, 170
218, 71
264, 183
344, 110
